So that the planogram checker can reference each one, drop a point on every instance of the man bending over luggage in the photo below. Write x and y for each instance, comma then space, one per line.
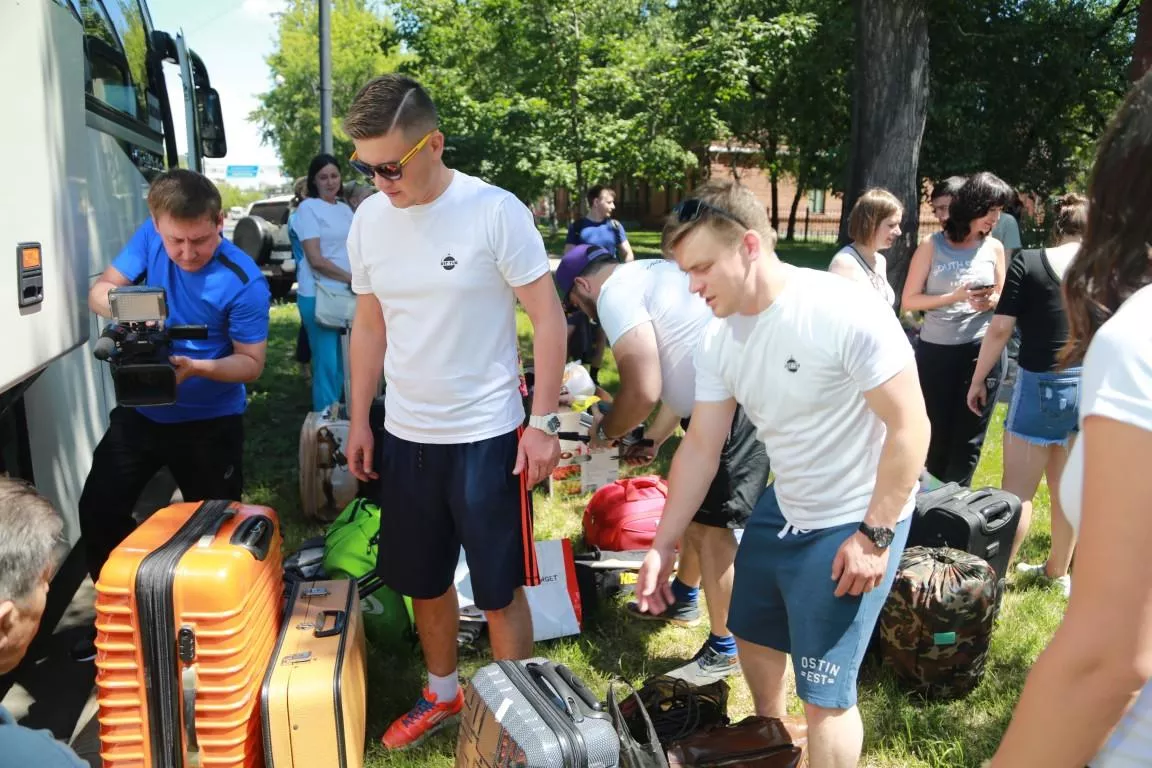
438, 262
29, 531
828, 378
200, 439
654, 323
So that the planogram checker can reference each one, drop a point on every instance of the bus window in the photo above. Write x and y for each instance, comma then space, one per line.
117, 48
70, 5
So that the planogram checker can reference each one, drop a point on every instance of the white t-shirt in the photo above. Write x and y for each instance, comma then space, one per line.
330, 223
305, 282
876, 278
656, 291
1116, 382
444, 274
800, 370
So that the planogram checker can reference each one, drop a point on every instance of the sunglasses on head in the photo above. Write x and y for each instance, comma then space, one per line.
391, 171
692, 209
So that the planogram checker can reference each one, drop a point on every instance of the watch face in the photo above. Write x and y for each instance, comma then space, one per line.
553, 423
882, 537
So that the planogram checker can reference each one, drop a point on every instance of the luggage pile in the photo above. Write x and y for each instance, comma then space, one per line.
194, 666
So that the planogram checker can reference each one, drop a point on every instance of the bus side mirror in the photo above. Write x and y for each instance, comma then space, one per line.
213, 143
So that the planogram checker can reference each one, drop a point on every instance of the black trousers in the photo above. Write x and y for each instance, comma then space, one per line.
957, 433
204, 456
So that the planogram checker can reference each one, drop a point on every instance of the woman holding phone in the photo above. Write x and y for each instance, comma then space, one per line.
956, 278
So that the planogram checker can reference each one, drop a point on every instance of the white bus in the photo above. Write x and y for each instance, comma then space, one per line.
89, 122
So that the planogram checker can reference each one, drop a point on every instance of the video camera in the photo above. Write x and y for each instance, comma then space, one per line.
137, 345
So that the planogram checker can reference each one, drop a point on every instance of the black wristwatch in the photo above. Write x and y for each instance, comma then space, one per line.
881, 537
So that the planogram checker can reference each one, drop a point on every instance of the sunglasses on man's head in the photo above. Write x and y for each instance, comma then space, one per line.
692, 209
391, 171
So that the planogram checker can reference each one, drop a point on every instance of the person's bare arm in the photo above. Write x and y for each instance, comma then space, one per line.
638, 362
366, 349
321, 265
1101, 656
538, 452
693, 467
845, 266
243, 366
996, 338
859, 565
914, 297
98, 293
626, 252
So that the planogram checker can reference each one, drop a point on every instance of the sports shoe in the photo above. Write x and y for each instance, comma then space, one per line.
85, 648
1040, 572
707, 666
682, 613
426, 718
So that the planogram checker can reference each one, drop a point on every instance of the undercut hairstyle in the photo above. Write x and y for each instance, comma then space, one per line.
948, 188
391, 102
870, 210
319, 163
980, 194
1113, 261
184, 195
594, 193
1071, 216
29, 531
730, 197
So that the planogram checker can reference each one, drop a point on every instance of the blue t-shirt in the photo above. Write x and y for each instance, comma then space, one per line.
22, 747
607, 234
229, 295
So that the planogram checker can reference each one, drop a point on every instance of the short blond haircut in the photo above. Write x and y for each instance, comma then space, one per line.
870, 210
730, 197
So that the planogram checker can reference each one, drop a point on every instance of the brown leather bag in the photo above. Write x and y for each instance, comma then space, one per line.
754, 742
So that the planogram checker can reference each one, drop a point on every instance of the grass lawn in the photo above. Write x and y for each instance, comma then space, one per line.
898, 732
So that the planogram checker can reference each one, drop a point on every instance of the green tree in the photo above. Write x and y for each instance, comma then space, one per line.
364, 45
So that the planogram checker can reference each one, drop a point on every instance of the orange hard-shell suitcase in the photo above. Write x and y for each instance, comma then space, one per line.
187, 614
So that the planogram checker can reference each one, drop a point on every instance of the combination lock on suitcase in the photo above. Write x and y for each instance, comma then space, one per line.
533, 713
980, 522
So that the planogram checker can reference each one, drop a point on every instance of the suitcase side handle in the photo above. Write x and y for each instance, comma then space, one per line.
339, 619
188, 698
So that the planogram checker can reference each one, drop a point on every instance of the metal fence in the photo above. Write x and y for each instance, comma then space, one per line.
825, 227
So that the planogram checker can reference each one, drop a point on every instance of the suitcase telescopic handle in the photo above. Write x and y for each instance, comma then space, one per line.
339, 618
549, 681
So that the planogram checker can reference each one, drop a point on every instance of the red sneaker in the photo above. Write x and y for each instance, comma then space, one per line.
423, 720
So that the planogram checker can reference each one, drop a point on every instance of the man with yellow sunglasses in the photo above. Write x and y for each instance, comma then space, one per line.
438, 263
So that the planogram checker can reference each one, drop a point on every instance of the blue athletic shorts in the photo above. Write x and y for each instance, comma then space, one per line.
1045, 407
435, 499
783, 599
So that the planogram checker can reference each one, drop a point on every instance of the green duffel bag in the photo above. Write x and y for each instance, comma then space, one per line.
350, 548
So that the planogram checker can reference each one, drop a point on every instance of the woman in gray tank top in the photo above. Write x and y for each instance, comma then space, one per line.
955, 279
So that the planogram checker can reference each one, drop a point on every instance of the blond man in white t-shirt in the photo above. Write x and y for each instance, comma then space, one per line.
439, 261
826, 375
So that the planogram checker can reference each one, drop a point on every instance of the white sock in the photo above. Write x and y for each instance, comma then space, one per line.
444, 688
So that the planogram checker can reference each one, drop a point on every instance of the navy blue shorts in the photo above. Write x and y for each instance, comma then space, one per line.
435, 499
783, 598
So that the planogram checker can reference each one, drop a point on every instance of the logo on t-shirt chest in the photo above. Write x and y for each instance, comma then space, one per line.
448, 262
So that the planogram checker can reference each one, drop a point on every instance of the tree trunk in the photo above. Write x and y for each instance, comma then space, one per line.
1142, 47
774, 178
795, 207
889, 108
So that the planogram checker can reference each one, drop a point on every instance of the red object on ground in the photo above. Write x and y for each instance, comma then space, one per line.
625, 514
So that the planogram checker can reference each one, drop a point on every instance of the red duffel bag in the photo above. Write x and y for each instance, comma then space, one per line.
625, 514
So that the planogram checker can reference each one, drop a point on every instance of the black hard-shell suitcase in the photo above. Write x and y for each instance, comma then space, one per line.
981, 522
533, 713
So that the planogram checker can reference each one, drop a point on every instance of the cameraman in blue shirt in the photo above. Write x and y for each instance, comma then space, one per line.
200, 438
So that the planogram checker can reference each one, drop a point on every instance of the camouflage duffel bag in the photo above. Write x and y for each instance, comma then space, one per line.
937, 623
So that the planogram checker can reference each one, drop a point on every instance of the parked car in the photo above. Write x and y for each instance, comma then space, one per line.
262, 233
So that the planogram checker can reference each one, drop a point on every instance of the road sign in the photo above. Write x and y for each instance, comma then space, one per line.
242, 171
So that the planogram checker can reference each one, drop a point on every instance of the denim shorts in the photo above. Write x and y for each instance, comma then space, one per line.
783, 598
1045, 407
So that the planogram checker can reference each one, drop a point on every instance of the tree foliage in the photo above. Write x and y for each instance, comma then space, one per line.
364, 44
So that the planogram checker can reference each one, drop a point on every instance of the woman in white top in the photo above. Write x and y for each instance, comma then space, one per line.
873, 225
1087, 700
321, 223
